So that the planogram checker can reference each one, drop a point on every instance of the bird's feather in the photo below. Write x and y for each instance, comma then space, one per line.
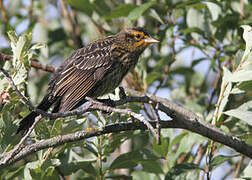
77, 78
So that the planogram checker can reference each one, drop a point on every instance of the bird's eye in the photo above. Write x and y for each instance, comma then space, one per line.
138, 36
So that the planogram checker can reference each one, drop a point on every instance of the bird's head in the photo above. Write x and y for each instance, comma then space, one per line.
135, 39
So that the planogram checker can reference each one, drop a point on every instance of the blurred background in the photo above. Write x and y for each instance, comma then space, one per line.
196, 39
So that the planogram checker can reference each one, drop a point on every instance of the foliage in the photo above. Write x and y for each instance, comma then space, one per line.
203, 62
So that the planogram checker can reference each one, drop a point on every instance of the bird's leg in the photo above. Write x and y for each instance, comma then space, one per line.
122, 93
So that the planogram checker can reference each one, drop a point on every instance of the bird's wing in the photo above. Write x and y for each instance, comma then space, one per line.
81, 74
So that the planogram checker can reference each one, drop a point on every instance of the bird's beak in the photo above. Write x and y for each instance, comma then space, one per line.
151, 40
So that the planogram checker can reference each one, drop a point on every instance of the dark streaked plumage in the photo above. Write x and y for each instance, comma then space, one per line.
92, 71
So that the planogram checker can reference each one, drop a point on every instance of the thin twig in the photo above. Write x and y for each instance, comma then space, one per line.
47, 68
98, 105
35, 64
49, 151
200, 154
72, 27
19, 147
10, 80
6, 19
155, 108
182, 118
238, 168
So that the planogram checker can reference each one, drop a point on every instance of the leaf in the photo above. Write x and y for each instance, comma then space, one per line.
29, 166
69, 168
238, 58
13, 37
162, 149
247, 138
194, 19
122, 10
115, 141
82, 5
214, 9
218, 160
192, 30
176, 140
240, 76
243, 112
132, 159
143, 175
38, 46
152, 77
152, 167
181, 170
226, 87
247, 173
126, 160
156, 16
182, 4
138, 11
247, 36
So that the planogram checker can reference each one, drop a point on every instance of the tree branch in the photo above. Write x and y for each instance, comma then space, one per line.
35, 64
80, 135
181, 118
190, 121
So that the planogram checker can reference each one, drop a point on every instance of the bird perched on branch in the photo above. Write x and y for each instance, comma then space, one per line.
92, 71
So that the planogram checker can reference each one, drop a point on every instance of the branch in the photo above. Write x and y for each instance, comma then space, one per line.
190, 121
11, 82
81, 135
72, 27
5, 57
182, 118
19, 146
5, 17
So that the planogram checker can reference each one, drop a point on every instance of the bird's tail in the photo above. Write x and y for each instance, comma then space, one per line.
27, 122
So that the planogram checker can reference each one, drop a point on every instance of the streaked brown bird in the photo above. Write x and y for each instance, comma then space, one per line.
92, 71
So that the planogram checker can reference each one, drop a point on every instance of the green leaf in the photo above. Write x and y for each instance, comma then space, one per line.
138, 11
155, 15
192, 30
82, 5
247, 138
13, 37
149, 155
176, 140
69, 168
151, 77
226, 86
238, 58
180, 171
126, 160
162, 149
152, 166
115, 141
240, 76
143, 175
132, 159
243, 112
182, 4
247, 173
122, 10
240, 114
195, 19
247, 36
218, 160
214, 9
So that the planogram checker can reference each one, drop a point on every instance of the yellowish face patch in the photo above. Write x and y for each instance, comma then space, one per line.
139, 38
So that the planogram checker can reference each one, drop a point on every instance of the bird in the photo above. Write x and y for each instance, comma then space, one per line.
92, 71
